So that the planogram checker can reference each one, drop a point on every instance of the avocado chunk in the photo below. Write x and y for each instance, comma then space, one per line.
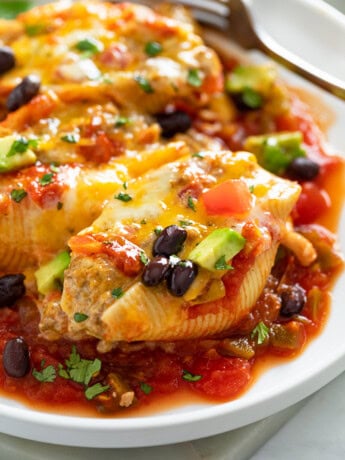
49, 277
217, 249
275, 152
250, 85
15, 153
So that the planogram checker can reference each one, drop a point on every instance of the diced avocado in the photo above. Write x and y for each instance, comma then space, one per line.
276, 151
222, 244
15, 153
255, 78
50, 276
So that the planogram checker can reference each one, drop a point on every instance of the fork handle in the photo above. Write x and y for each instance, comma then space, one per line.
301, 67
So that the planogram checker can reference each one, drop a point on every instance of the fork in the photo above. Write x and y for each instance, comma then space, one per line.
233, 17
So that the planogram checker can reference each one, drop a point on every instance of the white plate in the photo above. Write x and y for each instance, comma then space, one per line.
282, 385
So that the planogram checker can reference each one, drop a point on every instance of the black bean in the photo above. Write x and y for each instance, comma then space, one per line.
173, 123
302, 168
12, 288
170, 241
16, 358
156, 271
181, 277
293, 299
23, 93
7, 59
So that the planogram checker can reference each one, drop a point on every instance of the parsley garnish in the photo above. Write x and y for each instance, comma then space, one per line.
123, 197
251, 188
21, 145
145, 388
80, 317
194, 78
221, 264
48, 374
191, 204
117, 293
125, 185
143, 258
46, 179
158, 230
95, 390
261, 331
153, 48
70, 138
89, 44
54, 168
18, 194
189, 377
121, 121
144, 84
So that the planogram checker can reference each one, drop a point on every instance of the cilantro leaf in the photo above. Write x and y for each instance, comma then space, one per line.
18, 195
117, 293
48, 374
80, 317
189, 377
221, 264
143, 258
90, 45
158, 230
122, 121
46, 179
191, 204
70, 138
261, 332
146, 388
21, 145
153, 48
80, 370
144, 84
194, 78
123, 197
95, 390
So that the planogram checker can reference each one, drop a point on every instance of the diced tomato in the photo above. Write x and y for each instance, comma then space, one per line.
312, 203
222, 378
230, 197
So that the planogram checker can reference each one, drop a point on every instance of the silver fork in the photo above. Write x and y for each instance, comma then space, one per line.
233, 17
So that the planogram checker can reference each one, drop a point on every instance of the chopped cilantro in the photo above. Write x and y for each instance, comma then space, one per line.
185, 223
117, 293
144, 84
251, 188
261, 332
146, 388
80, 317
81, 370
122, 121
158, 230
35, 29
143, 258
191, 204
46, 179
59, 205
89, 44
221, 264
70, 138
10, 9
143, 222
194, 78
125, 185
252, 98
123, 197
153, 48
189, 377
48, 374
21, 145
95, 390
200, 155
54, 168
18, 194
